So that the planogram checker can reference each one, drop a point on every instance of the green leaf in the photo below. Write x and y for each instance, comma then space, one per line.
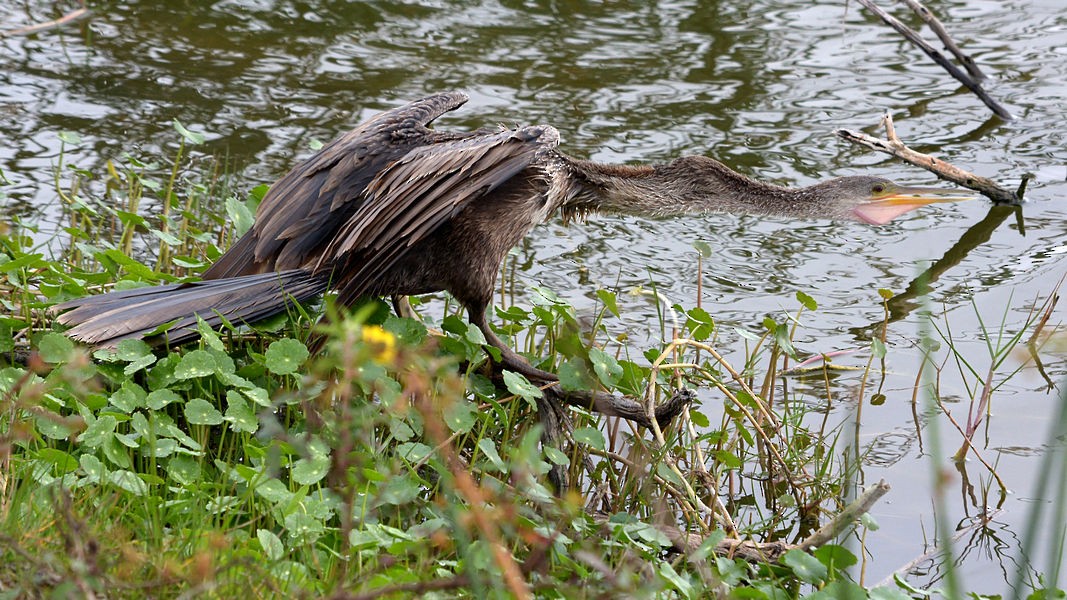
839, 590
63, 462
459, 415
703, 248
116, 452
887, 593
556, 457
166, 237
878, 348
272, 544
730, 570
160, 398
807, 301
699, 419
311, 470
135, 352
835, 557
129, 397
605, 366
69, 137
191, 137
413, 451
208, 336
886, 294
609, 300
408, 332
198, 363
274, 491
129, 481
240, 216
399, 490
55, 347
520, 386
781, 337
806, 567
302, 528
700, 323
728, 459
650, 534
95, 471
98, 432
201, 412
488, 448
239, 414
869, 522
184, 470
286, 356
573, 375
590, 436
678, 582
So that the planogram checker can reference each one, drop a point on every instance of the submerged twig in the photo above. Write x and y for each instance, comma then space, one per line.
914, 37
894, 146
687, 543
39, 27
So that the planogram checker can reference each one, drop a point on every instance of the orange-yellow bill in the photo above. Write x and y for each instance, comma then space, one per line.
898, 200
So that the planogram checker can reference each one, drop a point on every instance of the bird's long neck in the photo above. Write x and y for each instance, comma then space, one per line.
688, 185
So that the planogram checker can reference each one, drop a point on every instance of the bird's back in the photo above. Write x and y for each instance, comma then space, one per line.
304, 209
369, 197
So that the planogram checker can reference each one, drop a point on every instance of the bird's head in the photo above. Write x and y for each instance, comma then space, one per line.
877, 201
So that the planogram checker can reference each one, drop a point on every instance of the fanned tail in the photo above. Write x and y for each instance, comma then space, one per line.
107, 319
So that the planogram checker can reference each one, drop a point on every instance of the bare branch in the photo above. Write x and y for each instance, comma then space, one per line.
892, 145
939, 58
846, 517
935, 25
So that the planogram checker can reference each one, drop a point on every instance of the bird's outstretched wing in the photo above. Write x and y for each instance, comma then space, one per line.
414, 196
300, 215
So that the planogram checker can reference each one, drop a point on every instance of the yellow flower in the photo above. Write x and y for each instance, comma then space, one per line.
381, 344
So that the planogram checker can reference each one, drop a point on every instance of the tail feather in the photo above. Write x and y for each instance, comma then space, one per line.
107, 319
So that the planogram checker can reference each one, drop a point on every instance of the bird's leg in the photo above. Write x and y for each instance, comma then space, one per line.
509, 359
613, 405
402, 307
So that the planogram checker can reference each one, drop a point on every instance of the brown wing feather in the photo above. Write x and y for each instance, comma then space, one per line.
302, 212
447, 174
425, 189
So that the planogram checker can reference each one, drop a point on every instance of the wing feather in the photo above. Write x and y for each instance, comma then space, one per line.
431, 184
302, 212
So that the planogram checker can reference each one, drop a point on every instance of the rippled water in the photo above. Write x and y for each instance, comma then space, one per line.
760, 85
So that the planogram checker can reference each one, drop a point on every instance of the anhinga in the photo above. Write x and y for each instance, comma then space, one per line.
394, 208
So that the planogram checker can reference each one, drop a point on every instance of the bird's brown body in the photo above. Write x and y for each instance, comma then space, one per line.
395, 208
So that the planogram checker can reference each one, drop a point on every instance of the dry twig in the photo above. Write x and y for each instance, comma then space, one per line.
894, 146
935, 25
914, 37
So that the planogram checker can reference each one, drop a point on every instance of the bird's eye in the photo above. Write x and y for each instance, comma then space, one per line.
878, 188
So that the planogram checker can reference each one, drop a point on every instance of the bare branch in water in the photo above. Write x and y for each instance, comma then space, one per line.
894, 146
939, 58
